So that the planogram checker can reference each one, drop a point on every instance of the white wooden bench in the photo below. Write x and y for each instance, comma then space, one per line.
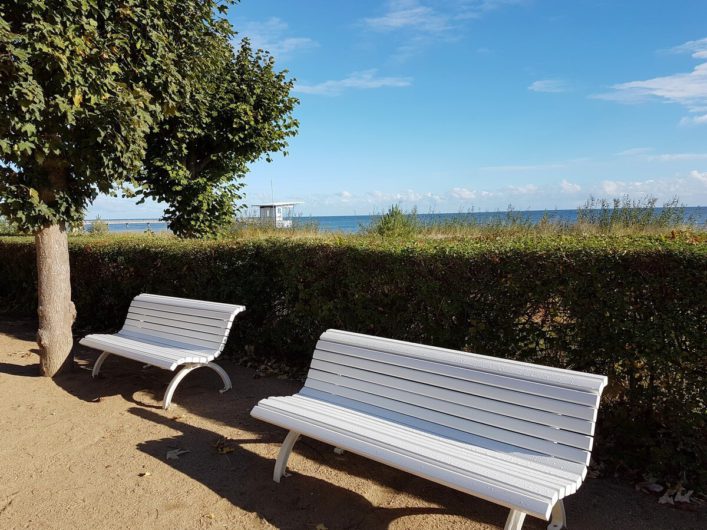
513, 433
168, 332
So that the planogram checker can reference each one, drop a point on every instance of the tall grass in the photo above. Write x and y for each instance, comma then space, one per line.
624, 212
248, 227
597, 216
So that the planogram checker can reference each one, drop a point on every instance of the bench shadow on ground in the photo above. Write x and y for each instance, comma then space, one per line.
244, 478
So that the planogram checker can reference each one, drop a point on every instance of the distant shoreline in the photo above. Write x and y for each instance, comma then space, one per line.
354, 223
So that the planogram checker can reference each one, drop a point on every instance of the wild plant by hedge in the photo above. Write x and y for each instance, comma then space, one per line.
633, 308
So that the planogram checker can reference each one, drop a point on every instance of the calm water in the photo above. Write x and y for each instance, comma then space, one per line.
354, 223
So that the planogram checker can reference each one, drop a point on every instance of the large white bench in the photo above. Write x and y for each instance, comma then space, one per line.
168, 332
513, 433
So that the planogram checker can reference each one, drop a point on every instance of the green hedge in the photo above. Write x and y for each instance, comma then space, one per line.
633, 308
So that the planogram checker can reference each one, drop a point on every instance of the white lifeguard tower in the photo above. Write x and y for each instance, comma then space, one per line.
274, 213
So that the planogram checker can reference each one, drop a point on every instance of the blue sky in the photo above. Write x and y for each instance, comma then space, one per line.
454, 105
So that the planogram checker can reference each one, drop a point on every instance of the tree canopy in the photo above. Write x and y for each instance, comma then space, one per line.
96, 95
152, 97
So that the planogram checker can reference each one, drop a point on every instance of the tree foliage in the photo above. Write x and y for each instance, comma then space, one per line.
240, 109
95, 95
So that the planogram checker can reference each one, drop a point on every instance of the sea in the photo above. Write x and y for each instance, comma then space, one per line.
355, 223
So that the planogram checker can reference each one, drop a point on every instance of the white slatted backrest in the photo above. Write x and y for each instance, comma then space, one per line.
538, 409
180, 321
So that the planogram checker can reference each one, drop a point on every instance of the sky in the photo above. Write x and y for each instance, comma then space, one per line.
461, 105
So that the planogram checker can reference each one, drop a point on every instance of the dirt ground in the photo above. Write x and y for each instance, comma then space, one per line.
80, 453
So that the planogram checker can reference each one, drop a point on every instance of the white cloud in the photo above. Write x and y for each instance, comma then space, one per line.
662, 188
635, 151
569, 187
463, 194
527, 189
702, 177
698, 48
365, 80
677, 157
410, 14
694, 120
271, 35
524, 167
687, 89
552, 86
424, 22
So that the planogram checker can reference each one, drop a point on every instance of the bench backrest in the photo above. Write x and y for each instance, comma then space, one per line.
180, 321
512, 405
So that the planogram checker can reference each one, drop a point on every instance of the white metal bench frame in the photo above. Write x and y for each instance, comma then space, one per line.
346, 383
168, 333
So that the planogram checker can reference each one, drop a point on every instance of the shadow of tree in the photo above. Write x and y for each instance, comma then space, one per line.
20, 370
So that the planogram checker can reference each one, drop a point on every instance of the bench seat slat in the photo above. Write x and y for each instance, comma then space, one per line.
480, 429
427, 446
204, 325
435, 398
180, 310
565, 469
494, 465
180, 333
519, 370
181, 315
393, 456
148, 331
447, 389
466, 373
190, 303
160, 356
162, 341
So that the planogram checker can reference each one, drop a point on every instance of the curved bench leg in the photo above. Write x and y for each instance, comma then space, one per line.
515, 520
99, 362
188, 368
558, 519
224, 376
285, 450
167, 401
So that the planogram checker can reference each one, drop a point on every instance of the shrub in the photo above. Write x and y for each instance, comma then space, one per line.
395, 223
98, 227
632, 308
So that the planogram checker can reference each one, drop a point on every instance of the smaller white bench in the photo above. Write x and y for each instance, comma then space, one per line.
168, 332
516, 434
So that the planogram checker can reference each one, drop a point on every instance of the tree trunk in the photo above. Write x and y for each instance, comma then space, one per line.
56, 310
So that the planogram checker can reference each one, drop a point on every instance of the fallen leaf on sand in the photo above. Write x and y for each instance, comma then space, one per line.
680, 497
174, 454
666, 499
651, 487
222, 446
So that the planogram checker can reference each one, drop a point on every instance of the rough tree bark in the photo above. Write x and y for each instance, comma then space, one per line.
56, 311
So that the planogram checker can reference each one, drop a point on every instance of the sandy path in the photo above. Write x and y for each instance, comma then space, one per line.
72, 453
